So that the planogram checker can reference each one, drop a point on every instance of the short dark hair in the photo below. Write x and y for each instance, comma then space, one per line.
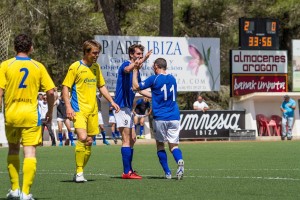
131, 49
22, 43
161, 63
87, 46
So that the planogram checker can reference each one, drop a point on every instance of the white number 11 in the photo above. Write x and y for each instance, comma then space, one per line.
164, 89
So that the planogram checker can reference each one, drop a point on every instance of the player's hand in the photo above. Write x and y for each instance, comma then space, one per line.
148, 55
116, 106
48, 117
70, 113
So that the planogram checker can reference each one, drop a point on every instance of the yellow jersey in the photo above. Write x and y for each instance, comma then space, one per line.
22, 78
83, 81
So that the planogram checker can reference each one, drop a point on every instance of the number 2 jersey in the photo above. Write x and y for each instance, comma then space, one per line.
22, 78
164, 94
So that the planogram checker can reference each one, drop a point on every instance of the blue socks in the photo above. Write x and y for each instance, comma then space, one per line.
71, 137
60, 137
117, 133
177, 154
103, 135
163, 159
126, 158
141, 130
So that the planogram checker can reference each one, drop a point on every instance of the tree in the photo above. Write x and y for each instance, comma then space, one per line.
111, 19
166, 18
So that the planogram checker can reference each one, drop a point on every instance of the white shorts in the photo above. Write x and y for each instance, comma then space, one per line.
124, 118
60, 119
166, 131
100, 118
140, 116
111, 119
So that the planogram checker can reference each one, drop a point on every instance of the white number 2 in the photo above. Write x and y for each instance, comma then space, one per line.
164, 89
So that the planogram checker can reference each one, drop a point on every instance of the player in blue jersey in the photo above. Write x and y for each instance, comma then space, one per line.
124, 98
165, 111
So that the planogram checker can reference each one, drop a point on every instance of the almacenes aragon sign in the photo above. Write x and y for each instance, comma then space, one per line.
197, 124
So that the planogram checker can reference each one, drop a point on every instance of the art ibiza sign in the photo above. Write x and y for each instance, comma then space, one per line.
194, 62
196, 124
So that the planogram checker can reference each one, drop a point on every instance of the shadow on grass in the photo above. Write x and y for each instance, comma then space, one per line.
71, 181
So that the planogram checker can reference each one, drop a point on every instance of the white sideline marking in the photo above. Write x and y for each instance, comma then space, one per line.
59, 172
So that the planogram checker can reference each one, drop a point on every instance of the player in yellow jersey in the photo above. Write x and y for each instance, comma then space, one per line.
21, 78
83, 78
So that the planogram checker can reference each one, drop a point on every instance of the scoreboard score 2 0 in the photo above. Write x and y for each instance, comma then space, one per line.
259, 33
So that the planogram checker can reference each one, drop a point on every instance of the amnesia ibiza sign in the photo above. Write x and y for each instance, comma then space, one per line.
216, 124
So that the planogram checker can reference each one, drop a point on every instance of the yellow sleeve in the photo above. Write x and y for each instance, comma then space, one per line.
70, 77
46, 81
2, 76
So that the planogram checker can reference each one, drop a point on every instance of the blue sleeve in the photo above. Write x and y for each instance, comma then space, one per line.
147, 83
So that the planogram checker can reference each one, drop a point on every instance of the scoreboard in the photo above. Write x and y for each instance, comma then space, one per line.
259, 33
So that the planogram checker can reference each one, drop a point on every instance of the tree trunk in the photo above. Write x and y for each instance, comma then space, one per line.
111, 19
166, 18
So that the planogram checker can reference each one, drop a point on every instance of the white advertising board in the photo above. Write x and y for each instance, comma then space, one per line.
259, 61
194, 62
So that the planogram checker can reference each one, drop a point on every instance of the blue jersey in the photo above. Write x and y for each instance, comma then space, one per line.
289, 112
124, 93
164, 94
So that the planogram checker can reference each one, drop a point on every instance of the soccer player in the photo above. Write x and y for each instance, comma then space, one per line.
112, 121
83, 78
100, 122
139, 111
62, 118
166, 115
124, 98
21, 78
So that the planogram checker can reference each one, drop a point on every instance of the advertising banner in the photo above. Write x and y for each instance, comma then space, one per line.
260, 62
194, 62
296, 65
210, 124
245, 84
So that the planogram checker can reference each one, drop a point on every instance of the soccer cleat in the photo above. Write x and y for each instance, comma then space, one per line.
72, 144
180, 169
26, 196
131, 175
168, 175
94, 143
13, 194
106, 142
79, 178
142, 137
289, 138
60, 144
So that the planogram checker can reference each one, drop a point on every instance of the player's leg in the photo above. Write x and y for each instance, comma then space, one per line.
136, 123
70, 133
173, 128
13, 161
113, 128
101, 127
60, 135
124, 121
142, 122
290, 121
51, 134
80, 154
159, 134
31, 137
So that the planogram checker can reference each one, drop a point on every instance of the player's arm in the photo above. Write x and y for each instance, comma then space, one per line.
149, 111
69, 110
50, 101
136, 87
1, 94
107, 96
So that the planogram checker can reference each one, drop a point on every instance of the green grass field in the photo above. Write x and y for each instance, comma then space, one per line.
213, 170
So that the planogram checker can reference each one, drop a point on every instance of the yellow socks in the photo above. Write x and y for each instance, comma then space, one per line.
79, 156
29, 169
87, 154
13, 166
